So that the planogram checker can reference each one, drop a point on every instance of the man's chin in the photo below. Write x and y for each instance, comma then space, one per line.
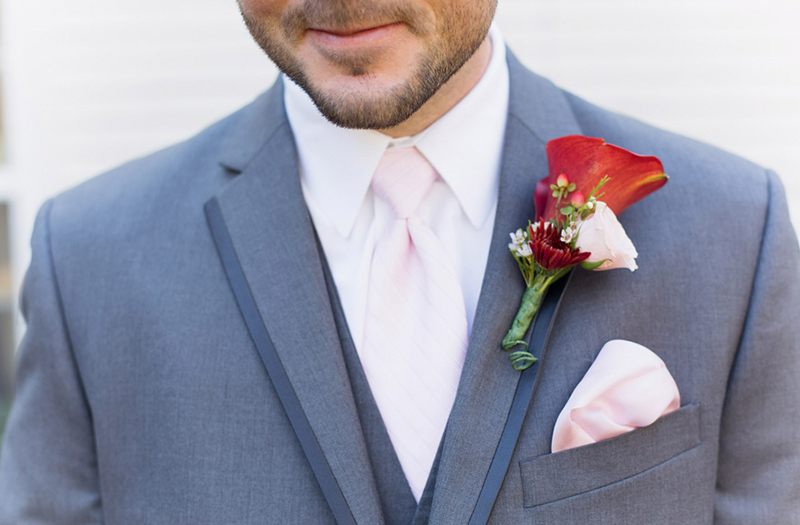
357, 113
366, 101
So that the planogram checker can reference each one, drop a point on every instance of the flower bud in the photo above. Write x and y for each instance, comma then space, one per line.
577, 200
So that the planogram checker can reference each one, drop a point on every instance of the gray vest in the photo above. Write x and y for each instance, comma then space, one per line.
397, 500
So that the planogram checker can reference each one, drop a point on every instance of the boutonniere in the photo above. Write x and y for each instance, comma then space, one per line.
589, 184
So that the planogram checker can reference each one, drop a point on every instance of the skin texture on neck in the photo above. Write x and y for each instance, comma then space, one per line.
448, 95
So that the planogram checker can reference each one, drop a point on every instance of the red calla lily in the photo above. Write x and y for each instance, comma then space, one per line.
585, 161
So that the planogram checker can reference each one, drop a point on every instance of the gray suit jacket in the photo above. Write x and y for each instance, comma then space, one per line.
141, 399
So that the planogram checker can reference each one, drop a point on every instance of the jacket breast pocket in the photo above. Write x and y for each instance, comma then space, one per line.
571, 472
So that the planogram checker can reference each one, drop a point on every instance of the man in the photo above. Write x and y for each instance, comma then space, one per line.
146, 390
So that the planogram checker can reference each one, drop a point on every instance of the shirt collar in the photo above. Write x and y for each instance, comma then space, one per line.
464, 146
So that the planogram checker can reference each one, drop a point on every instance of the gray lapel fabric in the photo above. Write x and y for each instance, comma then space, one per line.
264, 210
538, 112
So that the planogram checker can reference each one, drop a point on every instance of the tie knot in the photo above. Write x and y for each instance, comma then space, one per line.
403, 179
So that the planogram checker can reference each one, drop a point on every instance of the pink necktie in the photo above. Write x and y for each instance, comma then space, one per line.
415, 333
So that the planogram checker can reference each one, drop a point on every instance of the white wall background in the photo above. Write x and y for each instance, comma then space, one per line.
88, 84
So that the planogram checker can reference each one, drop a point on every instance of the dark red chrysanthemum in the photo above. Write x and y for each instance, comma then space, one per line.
549, 251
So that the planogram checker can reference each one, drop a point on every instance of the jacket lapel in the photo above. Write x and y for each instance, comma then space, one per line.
272, 234
538, 112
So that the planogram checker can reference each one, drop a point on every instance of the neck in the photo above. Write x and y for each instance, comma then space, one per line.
448, 95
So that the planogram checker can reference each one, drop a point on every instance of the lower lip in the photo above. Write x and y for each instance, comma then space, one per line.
375, 35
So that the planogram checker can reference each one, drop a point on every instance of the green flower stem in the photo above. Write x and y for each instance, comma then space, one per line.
531, 301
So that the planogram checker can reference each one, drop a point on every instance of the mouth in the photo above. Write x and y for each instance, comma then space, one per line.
350, 37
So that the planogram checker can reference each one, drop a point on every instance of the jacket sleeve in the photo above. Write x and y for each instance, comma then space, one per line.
758, 475
48, 465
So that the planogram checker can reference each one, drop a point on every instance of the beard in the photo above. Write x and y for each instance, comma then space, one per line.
446, 48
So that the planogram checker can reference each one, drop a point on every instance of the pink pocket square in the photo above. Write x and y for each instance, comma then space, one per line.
627, 387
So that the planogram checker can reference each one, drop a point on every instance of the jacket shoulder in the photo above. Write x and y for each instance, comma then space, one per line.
140, 184
148, 192
686, 161
714, 203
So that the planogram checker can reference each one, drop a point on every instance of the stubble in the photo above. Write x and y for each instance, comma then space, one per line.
446, 49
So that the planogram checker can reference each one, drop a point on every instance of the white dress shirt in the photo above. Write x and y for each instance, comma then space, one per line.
336, 168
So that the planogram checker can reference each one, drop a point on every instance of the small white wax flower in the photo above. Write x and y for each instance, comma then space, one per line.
524, 250
518, 242
603, 236
569, 233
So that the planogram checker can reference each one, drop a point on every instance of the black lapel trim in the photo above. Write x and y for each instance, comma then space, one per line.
258, 331
519, 406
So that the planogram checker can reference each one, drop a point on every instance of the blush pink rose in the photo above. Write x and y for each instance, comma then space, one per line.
603, 236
